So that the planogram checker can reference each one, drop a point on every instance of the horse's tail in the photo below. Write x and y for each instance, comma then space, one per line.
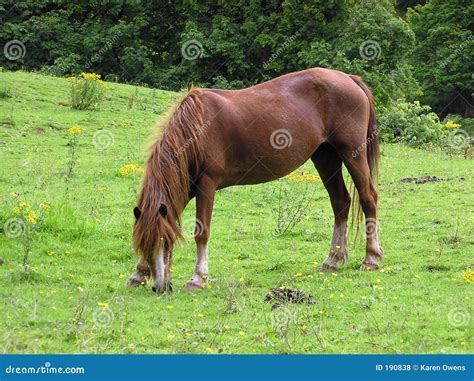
172, 166
372, 145
372, 142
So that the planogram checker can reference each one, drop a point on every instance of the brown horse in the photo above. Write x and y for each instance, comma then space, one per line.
218, 138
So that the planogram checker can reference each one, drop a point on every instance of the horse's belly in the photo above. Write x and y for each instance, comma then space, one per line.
263, 166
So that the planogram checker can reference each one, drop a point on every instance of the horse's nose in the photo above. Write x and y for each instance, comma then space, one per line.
153, 289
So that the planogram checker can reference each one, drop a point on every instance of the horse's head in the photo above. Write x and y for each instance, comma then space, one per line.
154, 233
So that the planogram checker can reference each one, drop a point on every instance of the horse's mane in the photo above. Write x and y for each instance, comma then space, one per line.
172, 167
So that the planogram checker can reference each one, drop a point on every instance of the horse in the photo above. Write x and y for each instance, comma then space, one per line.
220, 138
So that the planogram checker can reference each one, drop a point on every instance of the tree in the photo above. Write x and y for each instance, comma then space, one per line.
443, 57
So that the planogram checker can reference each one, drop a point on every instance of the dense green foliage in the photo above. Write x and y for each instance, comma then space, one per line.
63, 281
444, 54
240, 43
412, 124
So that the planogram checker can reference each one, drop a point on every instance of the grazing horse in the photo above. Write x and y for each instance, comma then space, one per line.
219, 138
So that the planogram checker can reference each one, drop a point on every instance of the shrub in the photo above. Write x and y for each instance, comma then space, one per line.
412, 124
87, 91
466, 124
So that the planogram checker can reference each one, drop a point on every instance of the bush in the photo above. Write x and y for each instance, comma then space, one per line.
466, 124
412, 124
62, 66
87, 91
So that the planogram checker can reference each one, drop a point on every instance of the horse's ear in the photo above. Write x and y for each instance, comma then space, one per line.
137, 212
163, 210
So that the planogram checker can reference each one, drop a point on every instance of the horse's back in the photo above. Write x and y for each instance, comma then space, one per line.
266, 131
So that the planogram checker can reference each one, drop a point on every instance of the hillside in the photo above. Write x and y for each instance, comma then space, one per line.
63, 280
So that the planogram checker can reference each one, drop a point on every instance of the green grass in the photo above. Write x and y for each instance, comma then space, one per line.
74, 298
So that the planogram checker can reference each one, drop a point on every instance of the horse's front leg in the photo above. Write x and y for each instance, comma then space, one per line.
160, 268
141, 274
205, 191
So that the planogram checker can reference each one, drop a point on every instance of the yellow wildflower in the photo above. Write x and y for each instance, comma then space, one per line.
209, 350
16, 210
103, 305
452, 125
45, 205
32, 217
468, 276
170, 337
170, 307
199, 315
23, 205
241, 333
90, 76
130, 168
75, 130
303, 177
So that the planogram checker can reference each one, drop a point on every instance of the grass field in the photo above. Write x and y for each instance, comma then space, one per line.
62, 286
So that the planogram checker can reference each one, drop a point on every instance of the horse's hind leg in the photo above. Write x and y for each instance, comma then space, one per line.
139, 277
360, 173
329, 166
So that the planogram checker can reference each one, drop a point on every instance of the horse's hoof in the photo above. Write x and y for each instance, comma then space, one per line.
193, 285
136, 281
327, 268
369, 266
166, 289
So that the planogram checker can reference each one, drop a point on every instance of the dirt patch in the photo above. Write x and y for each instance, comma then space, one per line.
280, 295
433, 268
426, 179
